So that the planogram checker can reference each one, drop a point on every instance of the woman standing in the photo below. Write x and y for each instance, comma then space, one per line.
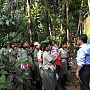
49, 75
64, 58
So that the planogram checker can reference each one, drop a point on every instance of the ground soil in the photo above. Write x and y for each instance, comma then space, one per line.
74, 82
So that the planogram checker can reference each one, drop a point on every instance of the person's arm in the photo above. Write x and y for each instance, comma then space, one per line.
50, 58
64, 57
39, 57
80, 61
35, 55
77, 71
54, 59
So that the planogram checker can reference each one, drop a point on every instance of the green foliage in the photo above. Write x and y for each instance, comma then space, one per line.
2, 81
12, 27
17, 22
9, 65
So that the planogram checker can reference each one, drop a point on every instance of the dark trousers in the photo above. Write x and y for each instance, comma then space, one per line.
63, 80
84, 77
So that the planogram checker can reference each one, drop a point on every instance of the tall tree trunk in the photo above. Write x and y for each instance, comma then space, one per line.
46, 23
24, 6
79, 31
12, 11
65, 9
50, 28
62, 19
60, 11
29, 19
46, 19
67, 16
89, 6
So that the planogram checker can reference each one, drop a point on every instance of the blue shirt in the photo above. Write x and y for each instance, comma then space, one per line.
83, 55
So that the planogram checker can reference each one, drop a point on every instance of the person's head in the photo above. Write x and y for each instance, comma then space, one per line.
5, 45
63, 44
82, 39
26, 44
52, 43
41, 47
20, 44
14, 44
46, 46
32, 45
37, 45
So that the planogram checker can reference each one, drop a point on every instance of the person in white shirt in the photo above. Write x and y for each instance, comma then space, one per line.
36, 63
36, 49
40, 60
83, 62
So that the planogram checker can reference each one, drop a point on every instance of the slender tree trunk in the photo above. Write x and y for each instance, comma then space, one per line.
47, 23
50, 28
46, 19
29, 20
12, 11
24, 6
62, 12
67, 16
79, 31
89, 6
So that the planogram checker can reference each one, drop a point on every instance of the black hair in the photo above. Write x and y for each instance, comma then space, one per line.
51, 42
20, 44
62, 43
4, 44
83, 37
32, 45
41, 47
45, 45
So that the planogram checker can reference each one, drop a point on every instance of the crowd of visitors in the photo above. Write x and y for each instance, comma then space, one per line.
49, 62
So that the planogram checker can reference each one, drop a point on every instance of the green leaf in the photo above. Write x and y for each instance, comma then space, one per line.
18, 63
2, 81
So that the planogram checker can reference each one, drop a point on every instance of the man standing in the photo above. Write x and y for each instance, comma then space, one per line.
83, 62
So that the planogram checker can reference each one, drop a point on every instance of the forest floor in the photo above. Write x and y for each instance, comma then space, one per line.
73, 83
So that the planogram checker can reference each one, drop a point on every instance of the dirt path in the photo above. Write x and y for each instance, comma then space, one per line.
73, 83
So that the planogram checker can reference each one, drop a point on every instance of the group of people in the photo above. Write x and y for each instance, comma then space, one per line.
50, 61
43, 58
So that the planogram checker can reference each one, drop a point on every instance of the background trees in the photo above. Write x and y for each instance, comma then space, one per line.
42, 19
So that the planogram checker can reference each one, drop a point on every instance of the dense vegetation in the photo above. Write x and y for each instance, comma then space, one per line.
38, 20
42, 19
